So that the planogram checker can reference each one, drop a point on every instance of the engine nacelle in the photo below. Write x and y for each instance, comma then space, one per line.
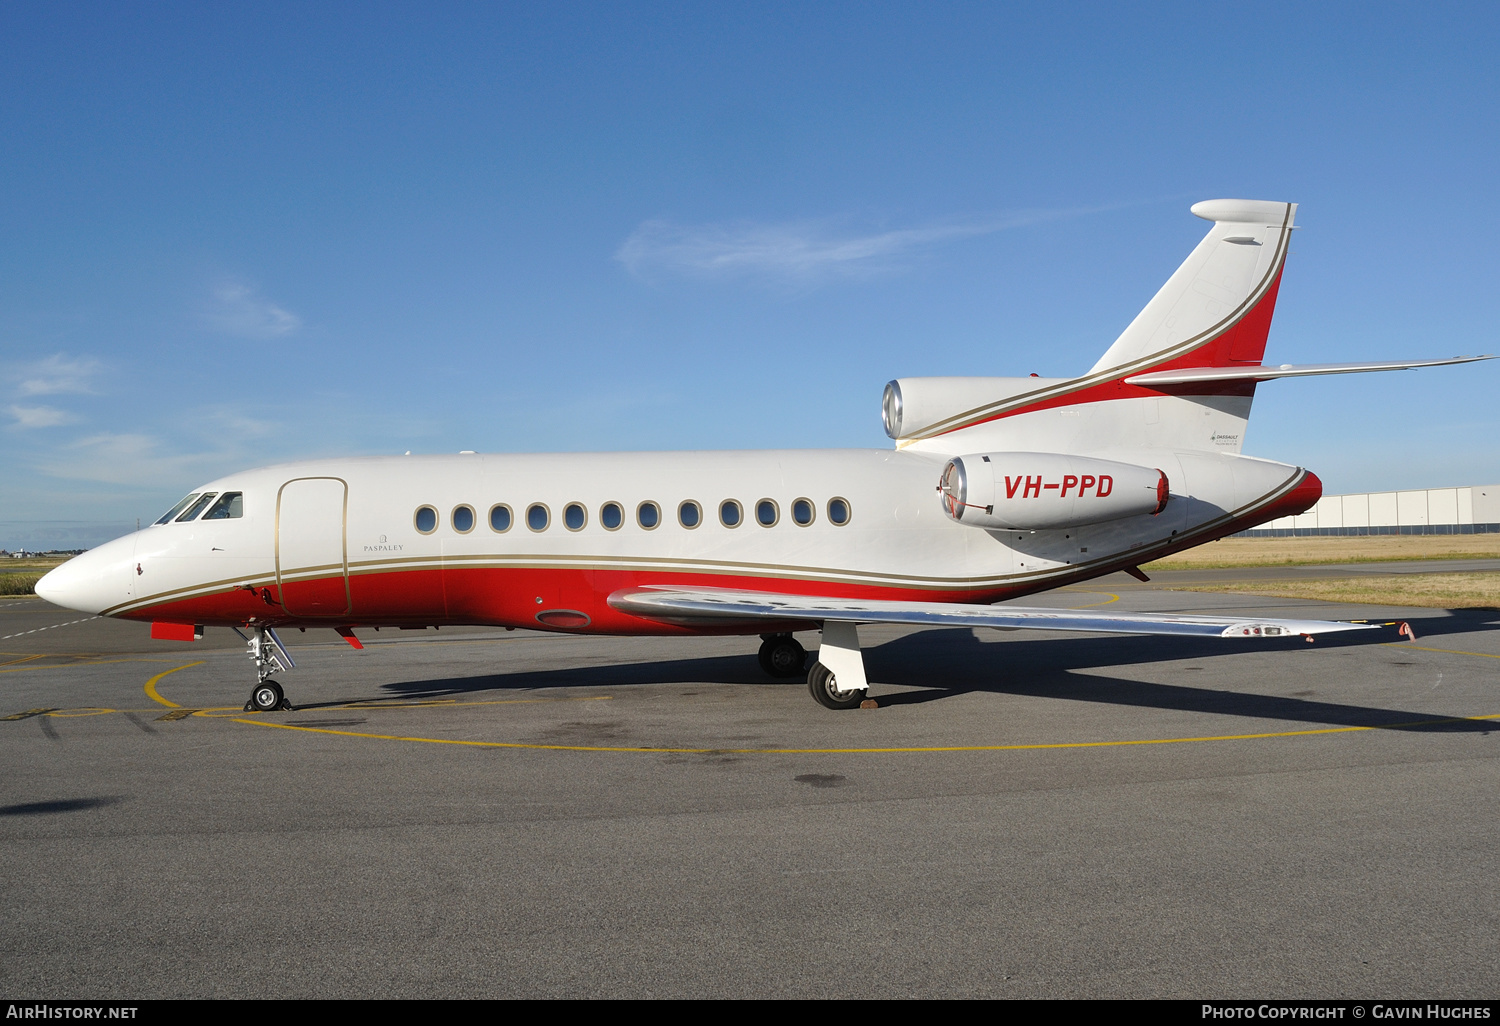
1037, 491
913, 406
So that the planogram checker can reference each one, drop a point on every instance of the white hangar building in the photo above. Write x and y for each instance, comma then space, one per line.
1471, 509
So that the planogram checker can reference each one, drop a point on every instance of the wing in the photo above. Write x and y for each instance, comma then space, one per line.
705, 607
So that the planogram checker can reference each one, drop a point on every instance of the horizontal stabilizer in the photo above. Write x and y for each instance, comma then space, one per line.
707, 606
1190, 375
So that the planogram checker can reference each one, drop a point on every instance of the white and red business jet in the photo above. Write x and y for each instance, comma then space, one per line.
996, 488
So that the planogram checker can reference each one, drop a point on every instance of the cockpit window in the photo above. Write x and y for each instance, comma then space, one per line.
230, 506
184, 504
197, 507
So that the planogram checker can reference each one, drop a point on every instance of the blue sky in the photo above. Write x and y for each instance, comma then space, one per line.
236, 235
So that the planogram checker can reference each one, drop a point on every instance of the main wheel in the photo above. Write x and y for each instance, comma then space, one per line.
267, 696
781, 656
825, 688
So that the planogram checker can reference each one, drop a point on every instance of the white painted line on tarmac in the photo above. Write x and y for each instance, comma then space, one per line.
54, 626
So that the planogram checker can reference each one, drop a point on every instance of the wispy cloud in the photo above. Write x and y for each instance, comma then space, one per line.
138, 460
57, 374
206, 443
39, 416
801, 251
238, 309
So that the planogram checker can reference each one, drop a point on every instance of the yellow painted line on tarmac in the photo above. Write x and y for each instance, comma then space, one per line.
151, 691
64, 666
24, 715
23, 659
231, 711
1094, 605
217, 712
1445, 651
865, 751
85, 710
426, 703
376, 703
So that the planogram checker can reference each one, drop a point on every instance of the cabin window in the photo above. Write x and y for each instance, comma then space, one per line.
611, 515
500, 517
648, 515
426, 519
802, 512
230, 506
574, 516
689, 514
463, 519
197, 507
730, 514
182, 505
838, 511
767, 512
538, 516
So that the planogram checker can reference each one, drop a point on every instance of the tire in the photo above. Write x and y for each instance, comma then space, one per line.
781, 656
824, 688
267, 696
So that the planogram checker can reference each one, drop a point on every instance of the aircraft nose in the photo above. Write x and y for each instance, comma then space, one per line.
93, 581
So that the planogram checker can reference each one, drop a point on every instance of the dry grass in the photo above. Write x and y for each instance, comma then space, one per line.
18, 584
1304, 551
39, 563
1443, 591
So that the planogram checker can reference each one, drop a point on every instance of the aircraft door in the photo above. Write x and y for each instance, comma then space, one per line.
312, 559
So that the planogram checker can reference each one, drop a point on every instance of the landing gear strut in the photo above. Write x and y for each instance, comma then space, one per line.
781, 656
837, 679
269, 656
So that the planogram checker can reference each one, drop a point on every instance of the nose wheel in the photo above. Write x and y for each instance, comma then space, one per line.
267, 697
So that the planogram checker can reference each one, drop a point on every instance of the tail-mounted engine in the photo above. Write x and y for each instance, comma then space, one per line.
1036, 491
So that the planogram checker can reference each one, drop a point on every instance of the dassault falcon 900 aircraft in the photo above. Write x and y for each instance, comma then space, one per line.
996, 488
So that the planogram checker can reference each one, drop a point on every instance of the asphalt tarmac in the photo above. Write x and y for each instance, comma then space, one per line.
481, 813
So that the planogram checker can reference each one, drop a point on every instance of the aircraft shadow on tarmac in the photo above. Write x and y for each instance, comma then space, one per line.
56, 805
948, 663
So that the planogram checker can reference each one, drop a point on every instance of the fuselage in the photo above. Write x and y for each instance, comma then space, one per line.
543, 540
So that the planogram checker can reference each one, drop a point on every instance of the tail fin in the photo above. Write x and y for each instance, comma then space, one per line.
1181, 376
1216, 310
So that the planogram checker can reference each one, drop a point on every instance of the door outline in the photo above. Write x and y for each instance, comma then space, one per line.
343, 543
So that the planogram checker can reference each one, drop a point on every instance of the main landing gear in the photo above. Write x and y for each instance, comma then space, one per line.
826, 690
781, 656
269, 656
837, 679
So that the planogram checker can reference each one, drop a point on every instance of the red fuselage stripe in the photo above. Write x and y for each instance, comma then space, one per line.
514, 596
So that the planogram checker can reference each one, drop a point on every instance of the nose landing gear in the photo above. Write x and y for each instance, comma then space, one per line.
269, 656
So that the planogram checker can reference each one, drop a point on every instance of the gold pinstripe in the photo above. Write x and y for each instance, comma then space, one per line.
990, 410
727, 568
